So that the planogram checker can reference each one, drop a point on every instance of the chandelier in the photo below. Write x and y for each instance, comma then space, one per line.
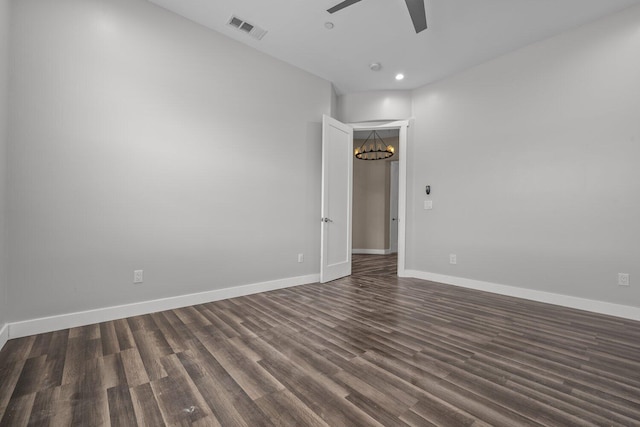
374, 148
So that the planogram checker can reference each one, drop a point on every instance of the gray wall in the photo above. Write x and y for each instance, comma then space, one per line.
377, 105
143, 141
533, 160
4, 69
370, 203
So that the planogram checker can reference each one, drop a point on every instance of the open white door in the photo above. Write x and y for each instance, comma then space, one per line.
337, 188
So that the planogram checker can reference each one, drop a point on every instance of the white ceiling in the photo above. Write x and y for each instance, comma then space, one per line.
460, 34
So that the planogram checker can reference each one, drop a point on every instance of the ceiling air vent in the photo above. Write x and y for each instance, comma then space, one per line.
242, 25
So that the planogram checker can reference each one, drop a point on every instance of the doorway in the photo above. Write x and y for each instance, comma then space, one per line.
336, 214
375, 197
375, 204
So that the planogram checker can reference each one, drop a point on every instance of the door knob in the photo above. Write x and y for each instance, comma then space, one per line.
394, 219
327, 220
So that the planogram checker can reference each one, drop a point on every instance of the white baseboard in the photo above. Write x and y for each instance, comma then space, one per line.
81, 318
4, 335
70, 320
601, 307
371, 251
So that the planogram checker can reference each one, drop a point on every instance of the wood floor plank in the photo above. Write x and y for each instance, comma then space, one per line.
65, 401
152, 346
173, 333
226, 399
134, 367
73, 368
389, 402
123, 334
41, 345
527, 407
114, 373
191, 316
382, 414
250, 376
291, 363
44, 407
90, 402
142, 323
367, 350
440, 413
320, 397
177, 404
110, 344
285, 409
17, 350
33, 376
145, 406
18, 411
415, 420
121, 412
10, 374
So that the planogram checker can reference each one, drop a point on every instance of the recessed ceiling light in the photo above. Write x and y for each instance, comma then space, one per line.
399, 76
328, 25
375, 66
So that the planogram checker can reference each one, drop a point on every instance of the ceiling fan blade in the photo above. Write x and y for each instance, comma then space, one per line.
418, 14
342, 5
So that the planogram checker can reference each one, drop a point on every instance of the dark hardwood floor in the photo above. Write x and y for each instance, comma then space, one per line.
370, 349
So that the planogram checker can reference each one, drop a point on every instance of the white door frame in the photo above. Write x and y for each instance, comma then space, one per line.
394, 171
402, 126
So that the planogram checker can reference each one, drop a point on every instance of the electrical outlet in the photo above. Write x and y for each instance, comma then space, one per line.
623, 279
137, 276
300, 257
453, 259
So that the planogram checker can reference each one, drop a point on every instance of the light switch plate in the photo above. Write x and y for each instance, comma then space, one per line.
428, 204
623, 279
138, 276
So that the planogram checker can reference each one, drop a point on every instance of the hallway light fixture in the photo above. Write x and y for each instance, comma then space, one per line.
374, 148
